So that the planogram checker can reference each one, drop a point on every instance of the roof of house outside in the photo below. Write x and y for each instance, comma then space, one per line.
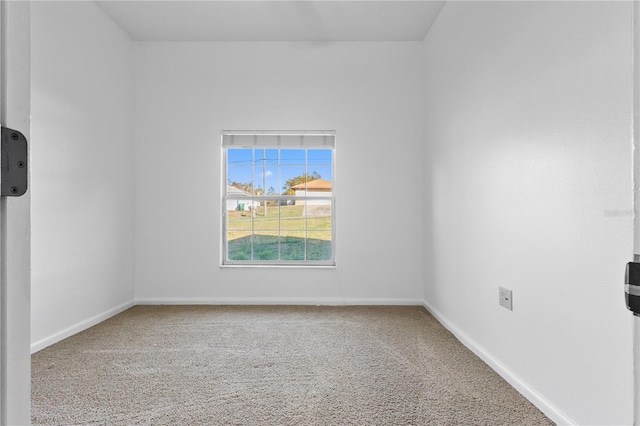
314, 185
232, 190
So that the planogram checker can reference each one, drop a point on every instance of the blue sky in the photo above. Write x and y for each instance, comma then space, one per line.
292, 163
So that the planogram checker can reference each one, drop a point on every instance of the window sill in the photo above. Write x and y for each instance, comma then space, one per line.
279, 266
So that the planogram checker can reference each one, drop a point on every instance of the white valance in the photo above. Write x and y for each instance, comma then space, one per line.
278, 139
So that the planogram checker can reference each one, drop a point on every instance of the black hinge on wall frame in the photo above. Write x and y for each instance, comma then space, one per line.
14, 167
632, 287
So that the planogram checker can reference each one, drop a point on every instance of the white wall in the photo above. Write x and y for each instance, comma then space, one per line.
528, 119
369, 93
82, 168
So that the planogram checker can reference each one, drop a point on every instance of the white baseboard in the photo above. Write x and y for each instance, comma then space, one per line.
550, 410
276, 301
81, 326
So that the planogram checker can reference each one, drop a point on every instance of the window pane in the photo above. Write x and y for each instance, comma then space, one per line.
323, 171
238, 230
272, 157
265, 158
292, 245
259, 157
240, 157
319, 157
319, 245
238, 214
266, 217
292, 157
267, 177
240, 178
292, 176
239, 246
319, 215
292, 218
265, 246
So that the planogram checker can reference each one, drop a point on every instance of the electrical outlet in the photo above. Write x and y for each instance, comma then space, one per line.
506, 298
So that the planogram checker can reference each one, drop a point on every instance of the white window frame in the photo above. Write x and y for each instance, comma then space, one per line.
307, 140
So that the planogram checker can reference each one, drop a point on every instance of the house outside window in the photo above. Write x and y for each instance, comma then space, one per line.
278, 198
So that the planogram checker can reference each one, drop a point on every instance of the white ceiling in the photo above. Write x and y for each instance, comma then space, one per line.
268, 20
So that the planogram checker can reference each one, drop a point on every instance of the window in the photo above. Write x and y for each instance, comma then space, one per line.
278, 198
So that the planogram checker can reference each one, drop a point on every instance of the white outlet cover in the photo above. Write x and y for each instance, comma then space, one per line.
506, 298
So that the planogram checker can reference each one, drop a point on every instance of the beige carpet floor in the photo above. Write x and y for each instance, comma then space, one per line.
269, 365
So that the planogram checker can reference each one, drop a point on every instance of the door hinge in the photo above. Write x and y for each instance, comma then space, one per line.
632, 287
14, 166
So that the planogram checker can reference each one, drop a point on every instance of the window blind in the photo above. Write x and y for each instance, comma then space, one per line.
242, 139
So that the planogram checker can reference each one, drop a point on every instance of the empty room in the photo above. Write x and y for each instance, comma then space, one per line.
320, 212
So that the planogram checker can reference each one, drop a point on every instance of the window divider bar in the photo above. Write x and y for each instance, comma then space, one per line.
279, 233
253, 180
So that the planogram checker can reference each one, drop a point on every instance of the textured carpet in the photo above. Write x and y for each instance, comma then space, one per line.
212, 365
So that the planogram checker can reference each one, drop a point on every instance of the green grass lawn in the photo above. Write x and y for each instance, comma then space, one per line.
267, 247
278, 235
